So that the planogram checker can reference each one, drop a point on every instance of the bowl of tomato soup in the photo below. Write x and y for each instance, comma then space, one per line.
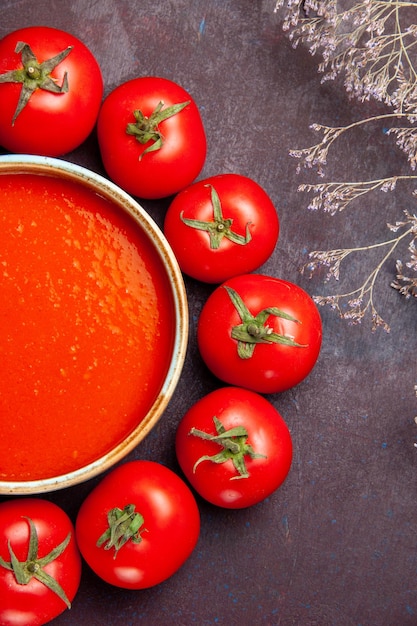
94, 324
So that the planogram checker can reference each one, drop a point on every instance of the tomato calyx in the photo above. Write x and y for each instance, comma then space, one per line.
24, 571
234, 444
124, 525
220, 227
34, 75
146, 129
254, 330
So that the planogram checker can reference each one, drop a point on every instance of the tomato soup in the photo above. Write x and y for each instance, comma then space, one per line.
86, 326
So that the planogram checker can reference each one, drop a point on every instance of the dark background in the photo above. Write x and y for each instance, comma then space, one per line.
336, 544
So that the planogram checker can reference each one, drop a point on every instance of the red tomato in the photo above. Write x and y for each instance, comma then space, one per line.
151, 137
221, 227
260, 332
155, 522
44, 581
59, 88
234, 447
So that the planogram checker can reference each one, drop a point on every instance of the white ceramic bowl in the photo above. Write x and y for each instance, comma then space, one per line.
122, 202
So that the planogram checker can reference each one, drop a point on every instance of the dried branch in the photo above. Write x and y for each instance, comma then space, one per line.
354, 304
373, 45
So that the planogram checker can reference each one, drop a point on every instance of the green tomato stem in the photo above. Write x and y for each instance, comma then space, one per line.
220, 226
145, 129
34, 75
254, 330
123, 525
33, 567
234, 447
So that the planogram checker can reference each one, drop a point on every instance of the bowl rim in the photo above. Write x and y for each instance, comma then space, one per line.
52, 166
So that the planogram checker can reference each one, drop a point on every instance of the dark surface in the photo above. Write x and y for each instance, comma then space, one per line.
336, 544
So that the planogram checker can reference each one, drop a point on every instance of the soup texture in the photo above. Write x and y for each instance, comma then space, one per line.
86, 326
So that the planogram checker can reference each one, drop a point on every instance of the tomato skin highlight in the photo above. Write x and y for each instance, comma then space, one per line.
243, 201
170, 531
267, 433
162, 172
273, 367
34, 604
50, 124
